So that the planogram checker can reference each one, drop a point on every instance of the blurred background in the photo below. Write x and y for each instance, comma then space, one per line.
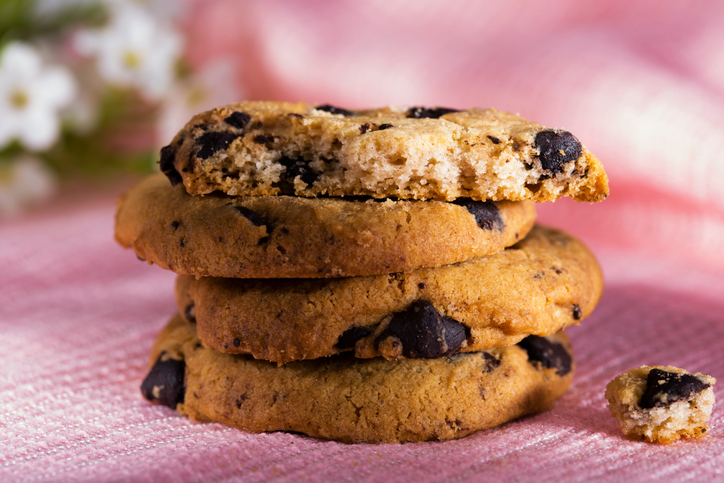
90, 90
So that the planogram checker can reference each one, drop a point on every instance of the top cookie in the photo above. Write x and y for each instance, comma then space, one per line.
270, 148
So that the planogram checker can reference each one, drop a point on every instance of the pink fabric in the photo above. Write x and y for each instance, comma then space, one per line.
640, 82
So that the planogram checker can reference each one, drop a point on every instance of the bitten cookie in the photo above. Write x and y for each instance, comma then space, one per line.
544, 283
289, 236
661, 404
353, 400
270, 148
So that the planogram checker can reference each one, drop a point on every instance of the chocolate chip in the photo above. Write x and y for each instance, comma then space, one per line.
486, 213
236, 342
557, 148
297, 167
364, 128
494, 139
238, 120
294, 114
382, 127
491, 362
424, 332
263, 139
421, 286
428, 112
516, 146
166, 164
577, 314
548, 354
334, 110
664, 388
165, 382
190, 312
214, 141
350, 337
251, 215
175, 224
182, 243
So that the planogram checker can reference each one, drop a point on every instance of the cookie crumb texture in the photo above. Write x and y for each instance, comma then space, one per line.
269, 148
289, 236
372, 401
661, 404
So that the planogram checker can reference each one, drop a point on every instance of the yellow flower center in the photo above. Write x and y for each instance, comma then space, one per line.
131, 59
19, 99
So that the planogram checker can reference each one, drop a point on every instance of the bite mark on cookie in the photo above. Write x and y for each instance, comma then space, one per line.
550, 355
664, 388
425, 333
165, 382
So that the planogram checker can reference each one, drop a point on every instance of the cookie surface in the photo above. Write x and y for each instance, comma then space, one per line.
288, 236
661, 404
354, 400
542, 284
271, 148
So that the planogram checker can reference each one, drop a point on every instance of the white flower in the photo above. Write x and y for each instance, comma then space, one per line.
134, 50
211, 86
24, 182
31, 96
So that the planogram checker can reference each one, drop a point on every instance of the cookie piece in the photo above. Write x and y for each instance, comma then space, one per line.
271, 148
353, 400
289, 236
661, 404
544, 283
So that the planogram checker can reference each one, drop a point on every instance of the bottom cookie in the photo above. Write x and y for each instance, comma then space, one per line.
359, 400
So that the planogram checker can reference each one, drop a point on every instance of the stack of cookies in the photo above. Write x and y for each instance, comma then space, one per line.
364, 276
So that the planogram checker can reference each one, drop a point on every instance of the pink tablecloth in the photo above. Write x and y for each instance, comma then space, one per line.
641, 83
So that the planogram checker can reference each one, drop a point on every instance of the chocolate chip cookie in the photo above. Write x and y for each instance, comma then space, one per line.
661, 404
353, 400
271, 148
289, 236
546, 282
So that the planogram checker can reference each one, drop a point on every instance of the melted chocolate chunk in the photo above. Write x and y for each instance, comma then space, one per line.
486, 213
350, 337
334, 110
557, 148
548, 354
165, 382
251, 215
297, 167
166, 163
577, 313
664, 388
211, 142
494, 139
491, 362
428, 112
238, 120
263, 138
424, 332
190, 312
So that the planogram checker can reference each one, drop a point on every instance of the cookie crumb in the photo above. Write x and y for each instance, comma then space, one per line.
661, 404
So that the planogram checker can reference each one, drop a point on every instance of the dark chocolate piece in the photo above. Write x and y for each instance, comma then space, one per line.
428, 112
365, 127
236, 342
211, 142
166, 164
238, 120
334, 110
494, 139
491, 362
577, 313
251, 215
549, 354
664, 388
297, 167
382, 127
350, 337
424, 332
486, 213
557, 148
165, 382
190, 312
263, 138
